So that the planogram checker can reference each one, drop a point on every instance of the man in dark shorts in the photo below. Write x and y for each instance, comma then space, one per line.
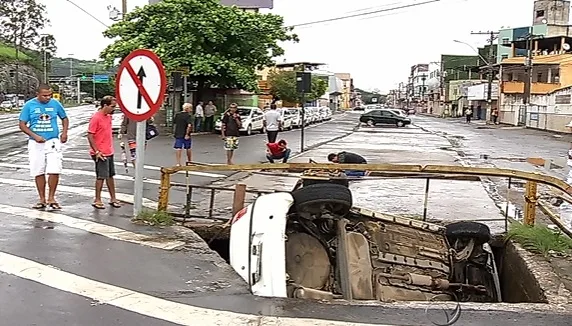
230, 131
183, 127
100, 137
349, 158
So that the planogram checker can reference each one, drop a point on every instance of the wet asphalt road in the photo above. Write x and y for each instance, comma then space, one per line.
88, 267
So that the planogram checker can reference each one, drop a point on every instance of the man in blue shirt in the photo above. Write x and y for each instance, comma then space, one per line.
39, 120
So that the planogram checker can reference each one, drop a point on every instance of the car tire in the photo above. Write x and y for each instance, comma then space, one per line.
249, 130
370, 123
400, 124
464, 229
338, 197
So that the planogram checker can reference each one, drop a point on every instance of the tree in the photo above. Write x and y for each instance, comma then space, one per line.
21, 20
48, 44
101, 89
222, 46
283, 86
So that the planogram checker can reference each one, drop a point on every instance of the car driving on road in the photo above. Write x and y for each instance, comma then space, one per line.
384, 117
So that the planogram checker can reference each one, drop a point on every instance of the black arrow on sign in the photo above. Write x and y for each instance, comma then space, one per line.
141, 74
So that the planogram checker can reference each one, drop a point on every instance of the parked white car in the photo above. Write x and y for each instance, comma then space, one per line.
324, 115
252, 120
286, 119
6, 105
296, 117
116, 120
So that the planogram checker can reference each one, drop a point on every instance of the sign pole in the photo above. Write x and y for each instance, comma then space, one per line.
139, 167
141, 83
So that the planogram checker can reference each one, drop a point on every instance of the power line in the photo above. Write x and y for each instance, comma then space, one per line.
88, 13
364, 13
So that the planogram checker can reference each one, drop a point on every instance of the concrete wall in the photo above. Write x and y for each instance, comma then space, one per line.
512, 34
518, 282
544, 113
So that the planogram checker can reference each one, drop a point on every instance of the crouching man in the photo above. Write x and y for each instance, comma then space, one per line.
349, 158
278, 151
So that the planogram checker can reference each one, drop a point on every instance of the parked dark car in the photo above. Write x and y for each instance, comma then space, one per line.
385, 117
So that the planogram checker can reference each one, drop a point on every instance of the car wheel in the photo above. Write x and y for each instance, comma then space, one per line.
400, 123
249, 130
316, 198
370, 123
473, 230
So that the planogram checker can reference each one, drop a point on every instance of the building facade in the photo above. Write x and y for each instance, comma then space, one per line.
347, 90
549, 74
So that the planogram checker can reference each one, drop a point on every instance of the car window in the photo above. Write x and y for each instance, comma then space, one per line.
376, 113
386, 114
243, 112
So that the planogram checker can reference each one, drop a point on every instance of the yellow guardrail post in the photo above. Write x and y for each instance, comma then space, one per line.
530, 199
163, 201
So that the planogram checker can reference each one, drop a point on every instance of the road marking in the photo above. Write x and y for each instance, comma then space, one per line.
148, 167
107, 231
82, 172
143, 304
86, 192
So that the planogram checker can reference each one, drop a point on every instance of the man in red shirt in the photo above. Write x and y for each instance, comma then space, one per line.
278, 151
100, 137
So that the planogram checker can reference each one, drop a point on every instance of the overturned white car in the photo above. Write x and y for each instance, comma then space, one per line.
312, 243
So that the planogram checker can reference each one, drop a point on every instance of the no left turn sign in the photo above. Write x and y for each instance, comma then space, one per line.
141, 85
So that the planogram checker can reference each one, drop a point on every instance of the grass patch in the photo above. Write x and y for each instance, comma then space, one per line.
540, 239
155, 218
9, 52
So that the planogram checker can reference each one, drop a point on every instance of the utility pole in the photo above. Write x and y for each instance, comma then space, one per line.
490, 69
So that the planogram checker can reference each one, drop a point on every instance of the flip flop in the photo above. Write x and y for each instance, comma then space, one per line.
54, 206
115, 204
39, 206
98, 205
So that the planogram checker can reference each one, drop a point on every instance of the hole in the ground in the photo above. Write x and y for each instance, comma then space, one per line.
517, 282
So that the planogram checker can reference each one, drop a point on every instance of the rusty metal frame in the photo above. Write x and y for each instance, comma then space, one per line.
386, 170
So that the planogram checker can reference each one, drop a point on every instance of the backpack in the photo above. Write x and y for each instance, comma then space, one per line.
151, 132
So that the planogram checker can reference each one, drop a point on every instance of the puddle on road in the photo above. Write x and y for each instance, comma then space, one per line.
38, 223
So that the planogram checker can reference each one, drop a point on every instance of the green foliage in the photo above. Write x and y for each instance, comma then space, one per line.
21, 21
48, 44
283, 86
540, 239
9, 53
101, 89
154, 218
222, 46
367, 97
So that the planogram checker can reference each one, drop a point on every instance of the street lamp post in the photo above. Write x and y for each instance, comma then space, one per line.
490, 71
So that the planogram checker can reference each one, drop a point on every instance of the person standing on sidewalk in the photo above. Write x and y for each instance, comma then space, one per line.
100, 137
495, 115
468, 114
272, 123
183, 128
199, 116
129, 129
230, 131
210, 111
39, 120
278, 151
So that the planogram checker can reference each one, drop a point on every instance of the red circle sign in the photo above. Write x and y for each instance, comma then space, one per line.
133, 97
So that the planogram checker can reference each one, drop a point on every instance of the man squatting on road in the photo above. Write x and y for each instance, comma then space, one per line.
349, 158
278, 151
100, 137
39, 120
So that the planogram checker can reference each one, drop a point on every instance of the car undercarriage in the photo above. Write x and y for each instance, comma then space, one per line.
337, 251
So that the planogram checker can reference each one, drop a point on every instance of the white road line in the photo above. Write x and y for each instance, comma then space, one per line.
148, 167
144, 304
107, 231
85, 192
82, 172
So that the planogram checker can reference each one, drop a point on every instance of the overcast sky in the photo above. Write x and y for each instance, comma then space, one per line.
378, 50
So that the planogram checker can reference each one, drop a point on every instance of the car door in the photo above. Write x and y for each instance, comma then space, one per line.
386, 117
257, 119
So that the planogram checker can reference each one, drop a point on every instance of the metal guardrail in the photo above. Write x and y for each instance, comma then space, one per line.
427, 172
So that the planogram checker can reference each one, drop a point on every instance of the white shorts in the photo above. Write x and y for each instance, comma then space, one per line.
45, 158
